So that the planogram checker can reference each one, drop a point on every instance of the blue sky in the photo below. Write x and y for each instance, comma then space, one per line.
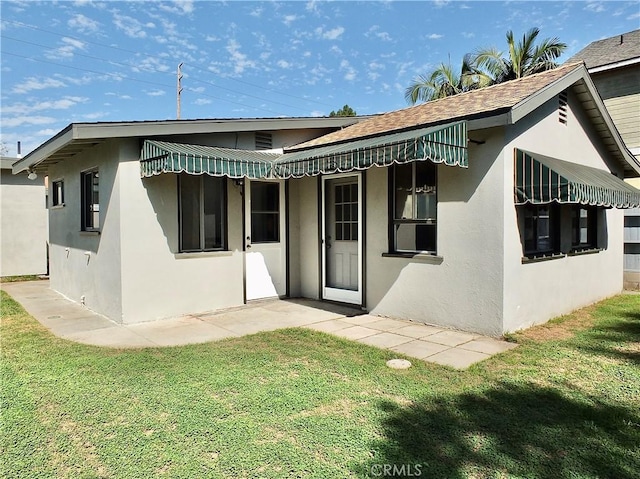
88, 61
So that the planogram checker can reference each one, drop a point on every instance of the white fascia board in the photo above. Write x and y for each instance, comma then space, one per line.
613, 66
49, 147
189, 127
540, 97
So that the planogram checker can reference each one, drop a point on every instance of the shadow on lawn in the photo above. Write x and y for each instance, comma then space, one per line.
524, 431
617, 340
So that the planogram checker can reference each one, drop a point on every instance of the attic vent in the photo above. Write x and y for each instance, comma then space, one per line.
263, 141
562, 107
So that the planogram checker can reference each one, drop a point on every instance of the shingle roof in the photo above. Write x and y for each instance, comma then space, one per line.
610, 50
488, 101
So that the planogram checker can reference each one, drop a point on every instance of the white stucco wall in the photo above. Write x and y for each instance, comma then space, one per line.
85, 266
537, 292
463, 289
157, 281
23, 225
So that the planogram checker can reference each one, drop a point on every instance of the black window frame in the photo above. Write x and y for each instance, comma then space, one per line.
201, 216
536, 213
591, 227
429, 224
57, 192
88, 180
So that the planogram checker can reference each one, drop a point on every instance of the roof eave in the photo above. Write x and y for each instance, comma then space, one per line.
53, 144
526, 106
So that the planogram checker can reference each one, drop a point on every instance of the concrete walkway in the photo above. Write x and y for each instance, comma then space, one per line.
72, 321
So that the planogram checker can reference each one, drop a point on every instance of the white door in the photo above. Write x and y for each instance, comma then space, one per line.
342, 238
265, 235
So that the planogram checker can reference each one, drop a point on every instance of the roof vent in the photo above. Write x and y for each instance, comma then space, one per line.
263, 141
562, 107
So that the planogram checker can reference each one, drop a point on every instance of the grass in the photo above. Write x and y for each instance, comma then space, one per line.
298, 403
13, 279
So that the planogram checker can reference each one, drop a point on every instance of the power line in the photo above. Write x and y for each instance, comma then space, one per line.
187, 64
124, 77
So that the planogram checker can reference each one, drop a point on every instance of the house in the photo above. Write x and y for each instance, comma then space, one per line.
614, 66
488, 211
23, 223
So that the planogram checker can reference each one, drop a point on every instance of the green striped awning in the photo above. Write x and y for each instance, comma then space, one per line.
441, 144
540, 179
163, 157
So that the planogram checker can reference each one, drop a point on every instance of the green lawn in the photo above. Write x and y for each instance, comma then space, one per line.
297, 403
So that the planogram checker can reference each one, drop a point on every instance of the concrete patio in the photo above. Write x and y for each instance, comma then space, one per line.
72, 321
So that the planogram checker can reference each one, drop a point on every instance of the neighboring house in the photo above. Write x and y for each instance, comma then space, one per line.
614, 66
23, 223
488, 211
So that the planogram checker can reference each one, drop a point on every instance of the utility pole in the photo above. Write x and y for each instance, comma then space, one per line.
179, 87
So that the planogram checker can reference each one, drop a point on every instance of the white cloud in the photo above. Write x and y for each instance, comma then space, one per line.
179, 7
83, 24
69, 45
202, 101
441, 3
95, 115
156, 93
468, 34
61, 104
595, 7
284, 64
47, 132
332, 34
27, 120
312, 6
238, 59
634, 16
33, 83
289, 19
151, 64
130, 26
256, 12
350, 72
374, 31
434, 36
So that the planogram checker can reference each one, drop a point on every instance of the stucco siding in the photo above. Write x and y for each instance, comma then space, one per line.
465, 290
157, 280
536, 292
84, 266
23, 225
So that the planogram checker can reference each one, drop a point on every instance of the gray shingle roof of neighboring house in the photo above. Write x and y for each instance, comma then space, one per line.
473, 104
610, 50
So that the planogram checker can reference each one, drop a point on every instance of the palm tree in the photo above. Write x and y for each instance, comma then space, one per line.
524, 58
444, 81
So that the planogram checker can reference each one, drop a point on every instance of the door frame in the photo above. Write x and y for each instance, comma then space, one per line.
247, 243
337, 294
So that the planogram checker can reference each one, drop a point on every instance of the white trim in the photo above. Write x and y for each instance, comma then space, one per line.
337, 294
612, 66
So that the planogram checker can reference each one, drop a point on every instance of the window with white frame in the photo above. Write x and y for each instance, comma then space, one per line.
57, 193
202, 213
90, 195
414, 209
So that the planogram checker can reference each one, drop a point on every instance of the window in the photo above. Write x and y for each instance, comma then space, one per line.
202, 213
57, 193
90, 182
414, 207
541, 229
265, 212
346, 212
583, 227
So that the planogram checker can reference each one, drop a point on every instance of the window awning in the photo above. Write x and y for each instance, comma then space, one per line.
540, 179
164, 157
440, 144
